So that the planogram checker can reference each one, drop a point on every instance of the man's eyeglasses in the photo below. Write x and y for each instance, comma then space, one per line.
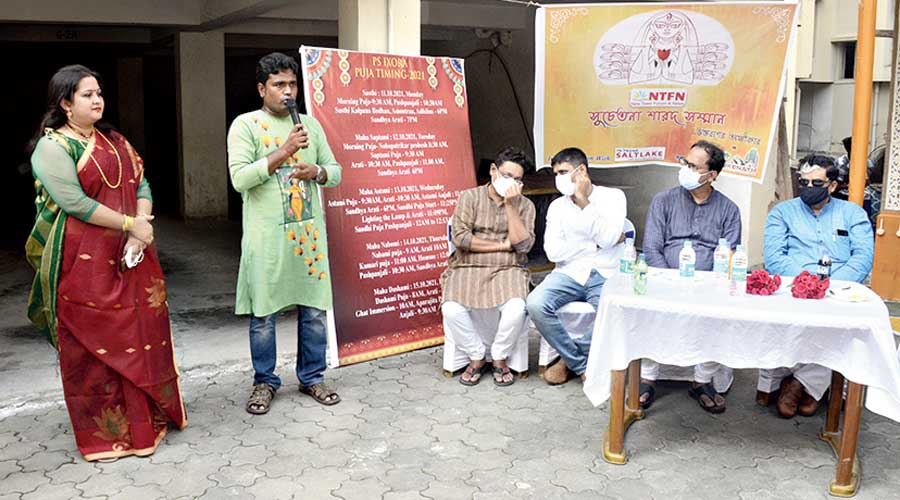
690, 165
815, 182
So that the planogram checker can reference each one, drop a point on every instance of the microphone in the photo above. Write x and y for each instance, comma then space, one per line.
292, 108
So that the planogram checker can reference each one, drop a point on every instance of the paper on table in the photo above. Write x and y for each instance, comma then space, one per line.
849, 293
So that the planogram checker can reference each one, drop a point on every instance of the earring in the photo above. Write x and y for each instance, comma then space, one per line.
69, 113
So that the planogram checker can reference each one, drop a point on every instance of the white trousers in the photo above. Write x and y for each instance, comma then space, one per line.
460, 326
703, 372
815, 378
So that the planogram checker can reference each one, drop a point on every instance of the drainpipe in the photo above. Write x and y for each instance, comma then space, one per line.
862, 100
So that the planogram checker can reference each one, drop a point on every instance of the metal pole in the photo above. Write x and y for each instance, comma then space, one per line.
862, 101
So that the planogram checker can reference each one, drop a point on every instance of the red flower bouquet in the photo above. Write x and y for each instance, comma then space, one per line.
809, 286
761, 283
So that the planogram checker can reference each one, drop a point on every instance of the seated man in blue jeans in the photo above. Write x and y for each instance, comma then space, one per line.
583, 236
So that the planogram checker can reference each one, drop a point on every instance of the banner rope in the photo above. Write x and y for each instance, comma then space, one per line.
492, 54
527, 3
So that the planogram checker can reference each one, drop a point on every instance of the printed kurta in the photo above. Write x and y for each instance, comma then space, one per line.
284, 251
486, 280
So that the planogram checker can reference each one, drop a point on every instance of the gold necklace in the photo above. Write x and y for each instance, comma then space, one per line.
84, 136
118, 159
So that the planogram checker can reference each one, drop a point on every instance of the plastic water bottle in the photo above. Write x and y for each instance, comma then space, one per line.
626, 263
824, 268
739, 271
687, 260
640, 276
721, 258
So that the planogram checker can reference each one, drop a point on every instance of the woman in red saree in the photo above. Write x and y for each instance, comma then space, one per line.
109, 321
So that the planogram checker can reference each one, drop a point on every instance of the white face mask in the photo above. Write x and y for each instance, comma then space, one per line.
689, 179
501, 184
564, 184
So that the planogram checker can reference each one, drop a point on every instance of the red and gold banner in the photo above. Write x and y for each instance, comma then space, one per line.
638, 83
399, 127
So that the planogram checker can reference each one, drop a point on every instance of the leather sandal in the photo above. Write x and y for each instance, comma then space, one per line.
710, 392
500, 373
650, 390
321, 393
473, 374
260, 399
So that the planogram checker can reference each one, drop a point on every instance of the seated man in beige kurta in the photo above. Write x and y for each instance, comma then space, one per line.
493, 230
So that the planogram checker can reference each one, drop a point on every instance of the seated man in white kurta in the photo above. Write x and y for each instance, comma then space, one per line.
493, 230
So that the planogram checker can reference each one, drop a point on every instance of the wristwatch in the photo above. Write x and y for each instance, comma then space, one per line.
320, 175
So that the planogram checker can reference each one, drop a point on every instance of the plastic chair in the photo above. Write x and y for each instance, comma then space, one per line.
577, 317
486, 321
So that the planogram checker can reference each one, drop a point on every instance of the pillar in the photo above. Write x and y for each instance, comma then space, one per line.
200, 94
130, 79
389, 26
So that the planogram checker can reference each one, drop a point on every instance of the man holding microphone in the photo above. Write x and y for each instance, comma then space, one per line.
277, 162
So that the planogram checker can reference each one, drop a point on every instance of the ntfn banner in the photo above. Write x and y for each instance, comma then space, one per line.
635, 84
399, 127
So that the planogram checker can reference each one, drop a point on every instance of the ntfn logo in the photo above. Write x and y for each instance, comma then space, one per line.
666, 98
640, 154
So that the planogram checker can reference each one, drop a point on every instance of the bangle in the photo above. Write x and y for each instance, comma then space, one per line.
127, 223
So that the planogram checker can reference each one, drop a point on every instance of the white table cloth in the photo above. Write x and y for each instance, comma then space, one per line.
688, 323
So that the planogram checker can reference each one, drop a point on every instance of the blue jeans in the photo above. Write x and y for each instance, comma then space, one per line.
555, 291
312, 339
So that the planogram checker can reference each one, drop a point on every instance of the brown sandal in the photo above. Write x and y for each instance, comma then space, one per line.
260, 399
500, 374
321, 394
710, 394
473, 374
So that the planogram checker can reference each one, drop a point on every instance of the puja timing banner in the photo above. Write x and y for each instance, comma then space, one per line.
636, 84
399, 127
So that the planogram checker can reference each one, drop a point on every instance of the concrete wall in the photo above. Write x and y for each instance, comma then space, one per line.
200, 63
493, 113
103, 11
130, 76
826, 115
845, 22
806, 35
815, 119
843, 107
836, 21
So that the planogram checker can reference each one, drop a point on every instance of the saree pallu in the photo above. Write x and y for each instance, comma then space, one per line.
112, 325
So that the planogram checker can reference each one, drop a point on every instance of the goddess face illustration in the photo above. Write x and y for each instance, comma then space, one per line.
666, 49
669, 25
664, 41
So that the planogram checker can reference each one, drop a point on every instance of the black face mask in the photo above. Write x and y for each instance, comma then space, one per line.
812, 195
